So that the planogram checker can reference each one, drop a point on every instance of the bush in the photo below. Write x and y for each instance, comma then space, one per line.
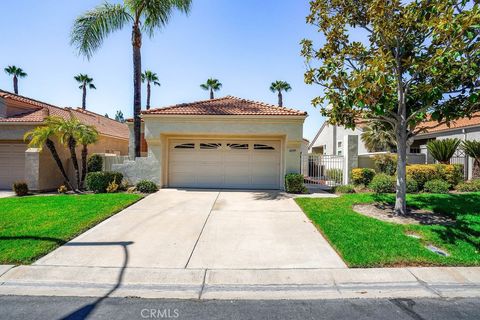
98, 181
294, 183
443, 150
453, 174
335, 175
20, 188
62, 189
469, 186
382, 183
362, 176
146, 186
95, 163
348, 188
436, 186
112, 187
386, 163
412, 185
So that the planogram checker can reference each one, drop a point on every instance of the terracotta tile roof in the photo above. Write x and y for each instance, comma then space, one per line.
433, 126
226, 106
36, 111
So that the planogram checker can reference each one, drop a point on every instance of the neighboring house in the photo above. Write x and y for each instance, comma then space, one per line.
20, 114
329, 140
221, 143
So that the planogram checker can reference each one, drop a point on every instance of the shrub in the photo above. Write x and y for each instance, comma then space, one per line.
453, 174
20, 188
294, 183
362, 176
95, 163
348, 188
62, 189
98, 181
335, 175
112, 187
146, 186
386, 163
412, 185
443, 150
469, 186
436, 186
382, 183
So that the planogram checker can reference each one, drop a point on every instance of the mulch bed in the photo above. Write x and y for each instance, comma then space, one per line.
385, 212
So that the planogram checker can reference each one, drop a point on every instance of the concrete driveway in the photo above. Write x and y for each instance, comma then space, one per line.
200, 229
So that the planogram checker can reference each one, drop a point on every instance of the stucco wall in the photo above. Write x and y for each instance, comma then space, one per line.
326, 138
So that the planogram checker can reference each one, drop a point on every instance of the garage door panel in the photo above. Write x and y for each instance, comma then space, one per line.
12, 164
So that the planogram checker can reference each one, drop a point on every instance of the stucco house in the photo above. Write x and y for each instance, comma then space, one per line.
220, 143
19, 114
329, 140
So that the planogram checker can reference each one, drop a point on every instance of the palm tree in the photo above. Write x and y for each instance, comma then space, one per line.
16, 73
44, 135
378, 136
85, 136
85, 82
443, 150
279, 86
119, 116
472, 149
150, 77
212, 85
91, 29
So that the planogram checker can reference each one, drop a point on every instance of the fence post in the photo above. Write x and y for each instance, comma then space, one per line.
428, 157
350, 156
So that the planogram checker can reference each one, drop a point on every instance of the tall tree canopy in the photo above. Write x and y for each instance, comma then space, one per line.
144, 16
398, 62
211, 85
150, 78
279, 86
85, 82
16, 73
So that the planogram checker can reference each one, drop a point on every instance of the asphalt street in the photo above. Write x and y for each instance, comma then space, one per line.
25, 307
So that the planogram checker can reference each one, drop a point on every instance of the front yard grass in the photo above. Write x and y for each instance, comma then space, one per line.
367, 242
30, 227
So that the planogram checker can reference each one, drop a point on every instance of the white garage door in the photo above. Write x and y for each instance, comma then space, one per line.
12, 164
224, 164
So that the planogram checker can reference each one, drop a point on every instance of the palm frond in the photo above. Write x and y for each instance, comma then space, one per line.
472, 148
157, 13
90, 30
280, 86
443, 150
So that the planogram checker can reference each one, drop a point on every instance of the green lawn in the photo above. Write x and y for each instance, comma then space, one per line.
30, 227
367, 242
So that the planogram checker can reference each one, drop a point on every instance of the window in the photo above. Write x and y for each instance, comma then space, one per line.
210, 146
339, 144
185, 146
339, 152
238, 146
262, 147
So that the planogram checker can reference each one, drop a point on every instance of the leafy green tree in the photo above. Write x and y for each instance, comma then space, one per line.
211, 85
16, 73
379, 136
408, 61
119, 116
472, 149
150, 78
443, 150
85, 82
279, 86
44, 136
144, 16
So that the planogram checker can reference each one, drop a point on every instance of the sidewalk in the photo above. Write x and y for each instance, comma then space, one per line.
445, 282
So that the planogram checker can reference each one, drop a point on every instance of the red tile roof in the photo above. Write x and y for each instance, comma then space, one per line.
226, 106
433, 126
36, 111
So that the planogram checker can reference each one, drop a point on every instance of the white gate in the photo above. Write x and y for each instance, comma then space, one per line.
322, 169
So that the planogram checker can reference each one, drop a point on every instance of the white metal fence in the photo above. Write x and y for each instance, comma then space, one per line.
322, 169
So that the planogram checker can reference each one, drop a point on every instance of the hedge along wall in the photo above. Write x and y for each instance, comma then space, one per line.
367, 160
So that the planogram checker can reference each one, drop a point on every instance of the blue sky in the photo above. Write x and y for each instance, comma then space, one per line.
245, 44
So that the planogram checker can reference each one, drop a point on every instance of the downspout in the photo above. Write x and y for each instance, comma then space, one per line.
334, 149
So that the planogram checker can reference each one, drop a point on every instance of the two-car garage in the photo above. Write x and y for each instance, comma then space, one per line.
224, 163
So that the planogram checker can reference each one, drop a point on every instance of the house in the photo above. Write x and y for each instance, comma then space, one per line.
329, 140
220, 143
19, 114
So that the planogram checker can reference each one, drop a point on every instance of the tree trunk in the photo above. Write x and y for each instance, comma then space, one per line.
476, 169
401, 190
84, 164
84, 97
51, 146
15, 84
137, 87
72, 144
280, 99
148, 95
211, 93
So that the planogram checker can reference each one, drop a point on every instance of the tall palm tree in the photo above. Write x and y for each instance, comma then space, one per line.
212, 85
85, 82
44, 135
151, 78
91, 29
85, 136
16, 73
279, 86
378, 136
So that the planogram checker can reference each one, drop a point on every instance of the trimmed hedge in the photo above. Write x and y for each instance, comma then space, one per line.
146, 186
386, 163
98, 181
421, 173
382, 183
20, 188
469, 186
436, 186
362, 176
294, 183
95, 163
